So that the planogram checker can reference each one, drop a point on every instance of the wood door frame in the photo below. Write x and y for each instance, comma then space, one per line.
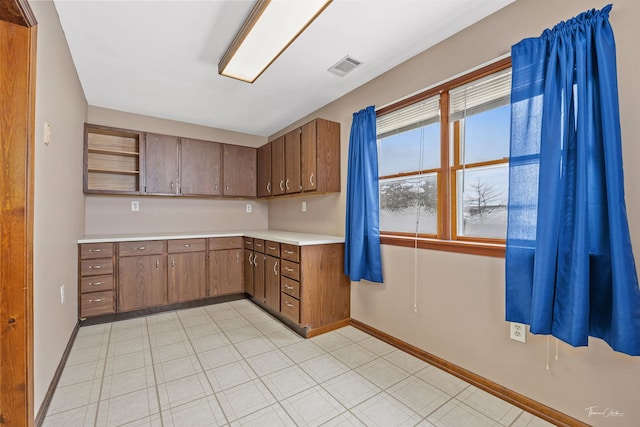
18, 35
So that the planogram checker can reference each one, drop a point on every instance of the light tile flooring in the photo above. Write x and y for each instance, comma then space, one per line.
233, 364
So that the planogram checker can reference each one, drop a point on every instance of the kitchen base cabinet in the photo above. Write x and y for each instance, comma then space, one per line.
187, 277
272, 282
227, 266
96, 294
142, 282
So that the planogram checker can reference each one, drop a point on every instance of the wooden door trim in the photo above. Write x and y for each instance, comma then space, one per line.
17, 103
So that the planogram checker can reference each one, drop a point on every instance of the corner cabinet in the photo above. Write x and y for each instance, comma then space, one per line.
112, 159
305, 160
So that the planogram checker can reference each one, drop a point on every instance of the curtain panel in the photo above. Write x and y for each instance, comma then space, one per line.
570, 270
362, 233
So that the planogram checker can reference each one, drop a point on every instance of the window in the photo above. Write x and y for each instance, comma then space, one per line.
443, 164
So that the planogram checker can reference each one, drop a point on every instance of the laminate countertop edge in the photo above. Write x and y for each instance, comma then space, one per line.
288, 237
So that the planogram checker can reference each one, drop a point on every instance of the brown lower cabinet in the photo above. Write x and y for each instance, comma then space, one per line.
142, 281
303, 284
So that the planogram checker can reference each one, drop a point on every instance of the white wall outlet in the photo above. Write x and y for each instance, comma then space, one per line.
249, 207
518, 332
304, 206
135, 206
47, 133
62, 294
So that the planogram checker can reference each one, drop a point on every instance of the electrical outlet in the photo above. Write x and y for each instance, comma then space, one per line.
518, 332
62, 294
249, 207
304, 206
47, 133
135, 206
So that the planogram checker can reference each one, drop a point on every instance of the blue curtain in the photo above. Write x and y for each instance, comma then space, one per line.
570, 270
362, 234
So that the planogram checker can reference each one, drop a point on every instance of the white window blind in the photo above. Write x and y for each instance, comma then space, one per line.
411, 117
481, 95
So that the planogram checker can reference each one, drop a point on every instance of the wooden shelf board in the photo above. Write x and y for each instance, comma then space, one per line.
114, 152
114, 171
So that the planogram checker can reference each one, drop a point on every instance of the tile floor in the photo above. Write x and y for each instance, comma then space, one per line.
232, 364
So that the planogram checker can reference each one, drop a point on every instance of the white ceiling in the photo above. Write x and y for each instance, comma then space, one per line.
160, 58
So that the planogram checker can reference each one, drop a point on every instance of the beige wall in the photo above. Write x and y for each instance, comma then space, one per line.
113, 215
59, 202
460, 298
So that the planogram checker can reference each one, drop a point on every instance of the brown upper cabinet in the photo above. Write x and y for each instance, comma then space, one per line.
200, 167
239, 166
292, 182
277, 166
264, 171
320, 148
112, 160
162, 164
306, 159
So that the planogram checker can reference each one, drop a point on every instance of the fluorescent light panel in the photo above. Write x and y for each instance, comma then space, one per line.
269, 29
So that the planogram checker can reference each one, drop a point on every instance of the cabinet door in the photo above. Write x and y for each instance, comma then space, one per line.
264, 171
248, 272
225, 272
292, 182
258, 276
239, 171
272, 282
200, 167
277, 166
142, 282
161, 164
187, 277
308, 144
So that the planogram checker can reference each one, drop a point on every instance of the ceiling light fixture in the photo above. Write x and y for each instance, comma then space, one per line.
272, 25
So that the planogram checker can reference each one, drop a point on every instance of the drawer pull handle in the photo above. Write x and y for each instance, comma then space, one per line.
96, 266
290, 270
95, 250
271, 248
186, 245
311, 180
96, 283
288, 252
96, 300
275, 267
289, 287
141, 248
288, 304
248, 242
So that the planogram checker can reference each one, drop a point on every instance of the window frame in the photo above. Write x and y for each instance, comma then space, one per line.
446, 238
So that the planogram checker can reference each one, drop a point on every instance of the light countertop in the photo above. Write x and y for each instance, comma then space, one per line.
290, 237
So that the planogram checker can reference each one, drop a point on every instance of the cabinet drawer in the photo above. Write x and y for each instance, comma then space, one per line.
290, 252
248, 243
290, 286
290, 269
96, 303
290, 307
187, 245
145, 247
272, 248
96, 250
95, 267
258, 245
96, 284
219, 243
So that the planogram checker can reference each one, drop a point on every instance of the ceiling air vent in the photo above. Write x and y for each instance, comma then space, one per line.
344, 66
